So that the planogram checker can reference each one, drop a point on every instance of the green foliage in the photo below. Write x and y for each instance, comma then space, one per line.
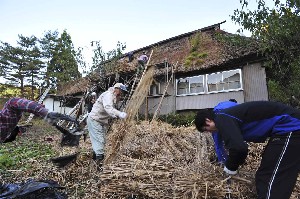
9, 91
277, 30
62, 66
2, 102
22, 63
107, 61
196, 56
178, 119
277, 91
195, 42
18, 156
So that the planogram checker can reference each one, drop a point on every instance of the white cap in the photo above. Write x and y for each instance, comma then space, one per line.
93, 94
120, 86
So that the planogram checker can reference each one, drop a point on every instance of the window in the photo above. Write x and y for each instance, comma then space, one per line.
155, 89
224, 81
190, 85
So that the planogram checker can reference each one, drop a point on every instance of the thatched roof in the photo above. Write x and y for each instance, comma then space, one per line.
198, 50
202, 49
79, 85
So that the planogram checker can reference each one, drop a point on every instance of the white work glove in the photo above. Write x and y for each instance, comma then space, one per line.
229, 172
123, 115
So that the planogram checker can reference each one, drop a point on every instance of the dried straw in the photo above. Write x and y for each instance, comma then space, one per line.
155, 161
132, 108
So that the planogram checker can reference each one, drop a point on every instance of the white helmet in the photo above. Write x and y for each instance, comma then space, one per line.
120, 86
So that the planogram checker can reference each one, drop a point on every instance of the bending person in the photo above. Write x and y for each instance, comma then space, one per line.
12, 112
256, 122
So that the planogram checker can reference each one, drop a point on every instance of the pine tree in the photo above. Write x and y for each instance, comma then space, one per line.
62, 65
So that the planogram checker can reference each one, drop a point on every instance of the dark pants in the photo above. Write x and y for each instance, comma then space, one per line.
280, 164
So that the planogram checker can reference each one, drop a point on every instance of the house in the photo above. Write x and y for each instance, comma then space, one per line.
61, 104
203, 68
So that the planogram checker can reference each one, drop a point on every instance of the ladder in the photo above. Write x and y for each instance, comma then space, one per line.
74, 112
137, 79
42, 97
164, 93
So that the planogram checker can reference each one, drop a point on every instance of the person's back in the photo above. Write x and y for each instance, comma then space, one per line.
12, 113
218, 143
103, 108
260, 119
224, 105
142, 60
255, 122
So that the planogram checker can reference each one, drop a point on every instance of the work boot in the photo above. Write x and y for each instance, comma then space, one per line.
100, 157
99, 161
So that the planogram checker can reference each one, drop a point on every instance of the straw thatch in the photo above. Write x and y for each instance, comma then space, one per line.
155, 161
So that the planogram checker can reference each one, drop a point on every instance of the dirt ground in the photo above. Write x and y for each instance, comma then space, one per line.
155, 161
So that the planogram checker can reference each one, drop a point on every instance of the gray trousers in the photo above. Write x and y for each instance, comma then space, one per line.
97, 132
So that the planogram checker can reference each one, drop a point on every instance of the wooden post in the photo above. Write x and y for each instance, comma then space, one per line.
146, 108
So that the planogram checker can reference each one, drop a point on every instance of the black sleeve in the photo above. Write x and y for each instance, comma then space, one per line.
232, 136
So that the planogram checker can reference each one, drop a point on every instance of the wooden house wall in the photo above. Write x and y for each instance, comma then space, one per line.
254, 89
55, 106
254, 81
167, 106
192, 102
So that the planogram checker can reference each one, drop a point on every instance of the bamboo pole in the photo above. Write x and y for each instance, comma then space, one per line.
162, 97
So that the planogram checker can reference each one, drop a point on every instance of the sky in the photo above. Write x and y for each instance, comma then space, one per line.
136, 23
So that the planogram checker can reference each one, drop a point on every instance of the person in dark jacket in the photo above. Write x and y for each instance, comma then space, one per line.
218, 142
256, 122
12, 113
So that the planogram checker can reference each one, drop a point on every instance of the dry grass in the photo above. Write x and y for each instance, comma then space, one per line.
154, 161
135, 102
145, 160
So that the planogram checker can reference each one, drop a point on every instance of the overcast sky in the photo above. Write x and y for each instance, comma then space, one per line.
137, 23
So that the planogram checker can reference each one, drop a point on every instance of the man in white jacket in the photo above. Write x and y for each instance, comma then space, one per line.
97, 121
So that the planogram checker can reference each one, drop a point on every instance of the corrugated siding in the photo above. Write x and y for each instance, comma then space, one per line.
206, 101
168, 105
254, 89
254, 81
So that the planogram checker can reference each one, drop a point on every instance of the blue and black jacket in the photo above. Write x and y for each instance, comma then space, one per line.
219, 146
253, 122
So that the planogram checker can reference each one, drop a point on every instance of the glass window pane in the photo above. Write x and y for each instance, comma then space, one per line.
154, 89
182, 86
234, 85
197, 88
212, 87
231, 76
196, 84
213, 81
221, 86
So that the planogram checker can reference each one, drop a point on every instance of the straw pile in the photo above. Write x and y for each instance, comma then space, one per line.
135, 102
147, 160
155, 161
159, 161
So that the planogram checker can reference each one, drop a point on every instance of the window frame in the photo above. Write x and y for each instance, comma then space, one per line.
189, 85
222, 75
158, 89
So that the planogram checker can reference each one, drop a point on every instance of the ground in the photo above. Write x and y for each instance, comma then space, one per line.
155, 161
